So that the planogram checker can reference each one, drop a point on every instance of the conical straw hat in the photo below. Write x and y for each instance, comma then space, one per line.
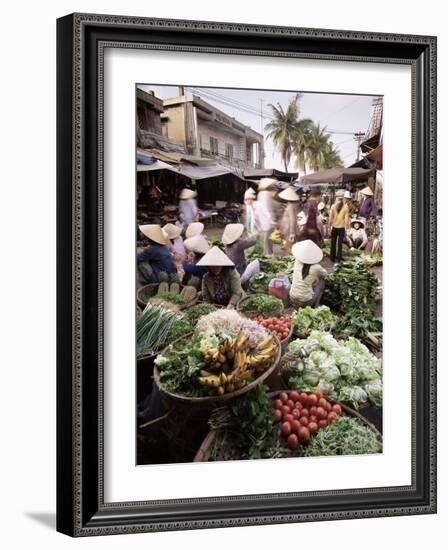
265, 183
171, 230
357, 220
249, 194
301, 218
289, 195
347, 195
197, 244
366, 191
321, 206
232, 232
215, 257
307, 252
187, 194
340, 193
195, 228
154, 232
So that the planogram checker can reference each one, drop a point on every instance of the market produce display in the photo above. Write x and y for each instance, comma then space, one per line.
174, 298
270, 267
301, 415
344, 370
263, 304
345, 436
194, 313
280, 326
307, 319
351, 286
153, 327
226, 352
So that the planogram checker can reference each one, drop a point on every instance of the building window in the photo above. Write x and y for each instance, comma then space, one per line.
229, 151
213, 145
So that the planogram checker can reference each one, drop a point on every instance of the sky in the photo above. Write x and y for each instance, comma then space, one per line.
341, 114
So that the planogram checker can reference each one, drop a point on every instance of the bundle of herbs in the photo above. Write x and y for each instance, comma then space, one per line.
345, 436
153, 327
264, 304
249, 423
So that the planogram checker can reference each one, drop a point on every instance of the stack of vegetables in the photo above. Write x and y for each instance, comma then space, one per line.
343, 370
307, 319
280, 326
226, 352
351, 289
262, 304
293, 424
302, 415
270, 267
170, 292
158, 326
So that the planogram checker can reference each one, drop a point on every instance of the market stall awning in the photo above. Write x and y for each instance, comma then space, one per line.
156, 165
337, 175
202, 172
258, 173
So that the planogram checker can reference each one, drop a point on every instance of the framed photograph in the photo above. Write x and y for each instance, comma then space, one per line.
246, 274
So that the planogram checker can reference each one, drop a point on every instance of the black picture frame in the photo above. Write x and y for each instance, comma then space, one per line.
81, 39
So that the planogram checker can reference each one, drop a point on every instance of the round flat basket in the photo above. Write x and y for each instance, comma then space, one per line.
214, 401
145, 293
252, 313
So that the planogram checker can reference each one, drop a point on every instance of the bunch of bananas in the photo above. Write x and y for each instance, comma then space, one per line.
276, 237
234, 363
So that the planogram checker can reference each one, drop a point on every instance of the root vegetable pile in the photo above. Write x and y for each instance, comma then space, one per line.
280, 326
301, 415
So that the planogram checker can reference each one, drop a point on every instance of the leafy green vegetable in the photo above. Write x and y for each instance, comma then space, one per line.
171, 297
270, 267
153, 326
344, 436
194, 313
250, 420
308, 319
264, 304
351, 287
179, 328
341, 369
179, 368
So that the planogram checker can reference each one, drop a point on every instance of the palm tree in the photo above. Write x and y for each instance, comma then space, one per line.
319, 147
332, 158
282, 128
302, 141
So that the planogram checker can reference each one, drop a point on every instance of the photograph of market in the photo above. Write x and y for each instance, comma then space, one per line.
259, 242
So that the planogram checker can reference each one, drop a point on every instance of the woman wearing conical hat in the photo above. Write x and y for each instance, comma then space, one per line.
188, 207
288, 223
235, 245
367, 206
221, 285
197, 246
156, 257
175, 241
357, 235
193, 229
264, 211
308, 279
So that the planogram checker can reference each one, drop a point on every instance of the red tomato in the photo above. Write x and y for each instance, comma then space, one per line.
322, 402
337, 408
299, 405
286, 409
304, 420
303, 398
328, 407
294, 396
283, 397
312, 400
318, 394
290, 403
286, 428
331, 416
295, 426
322, 423
312, 418
320, 413
295, 413
277, 415
293, 441
313, 411
304, 412
278, 403
313, 427
304, 434
288, 418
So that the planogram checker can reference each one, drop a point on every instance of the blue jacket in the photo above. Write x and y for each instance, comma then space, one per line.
193, 270
159, 258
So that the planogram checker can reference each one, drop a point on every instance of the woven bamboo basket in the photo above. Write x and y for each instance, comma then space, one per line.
150, 291
212, 402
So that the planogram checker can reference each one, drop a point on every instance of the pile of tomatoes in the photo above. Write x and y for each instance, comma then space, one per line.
302, 414
280, 326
